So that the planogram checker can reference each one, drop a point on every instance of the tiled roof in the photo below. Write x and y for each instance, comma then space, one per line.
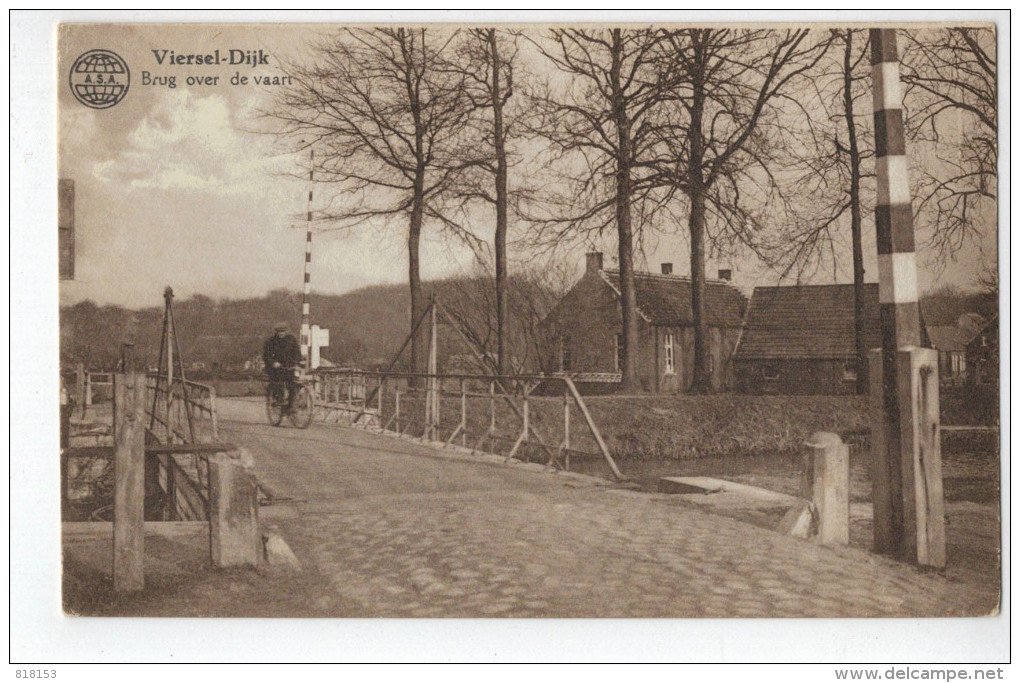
815, 321
948, 338
666, 300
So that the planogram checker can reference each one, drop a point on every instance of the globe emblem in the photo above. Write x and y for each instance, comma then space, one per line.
99, 79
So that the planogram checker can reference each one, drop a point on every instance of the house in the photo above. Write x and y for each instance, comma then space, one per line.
800, 340
584, 332
951, 343
983, 354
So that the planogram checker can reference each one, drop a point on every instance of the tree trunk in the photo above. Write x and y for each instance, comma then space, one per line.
418, 350
855, 218
501, 205
702, 383
625, 235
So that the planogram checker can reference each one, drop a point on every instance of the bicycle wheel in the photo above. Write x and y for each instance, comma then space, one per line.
304, 406
274, 407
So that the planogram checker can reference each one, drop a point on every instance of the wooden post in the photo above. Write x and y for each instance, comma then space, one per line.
463, 414
396, 409
212, 413
234, 535
827, 468
924, 527
170, 497
566, 431
432, 383
79, 386
492, 408
129, 484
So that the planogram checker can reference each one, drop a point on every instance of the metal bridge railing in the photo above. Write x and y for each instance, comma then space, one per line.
181, 413
534, 418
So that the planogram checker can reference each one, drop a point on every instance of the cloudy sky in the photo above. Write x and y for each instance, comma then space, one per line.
176, 186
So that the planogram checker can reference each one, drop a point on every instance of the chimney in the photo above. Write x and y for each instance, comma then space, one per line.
726, 274
593, 263
667, 268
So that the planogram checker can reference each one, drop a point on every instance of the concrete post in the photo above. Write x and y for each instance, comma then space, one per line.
827, 484
129, 484
924, 526
233, 510
909, 517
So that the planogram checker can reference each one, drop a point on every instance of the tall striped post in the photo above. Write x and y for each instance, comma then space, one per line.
306, 330
893, 476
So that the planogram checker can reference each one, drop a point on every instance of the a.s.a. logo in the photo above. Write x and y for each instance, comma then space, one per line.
99, 79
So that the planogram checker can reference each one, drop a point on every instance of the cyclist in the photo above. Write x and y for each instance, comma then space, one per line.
281, 355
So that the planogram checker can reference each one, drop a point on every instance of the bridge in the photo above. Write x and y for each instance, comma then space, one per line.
403, 528
442, 495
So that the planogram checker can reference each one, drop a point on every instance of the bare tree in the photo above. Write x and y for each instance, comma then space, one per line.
486, 58
387, 123
951, 97
598, 127
832, 164
720, 142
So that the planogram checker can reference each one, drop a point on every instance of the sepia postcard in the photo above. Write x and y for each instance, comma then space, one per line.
477, 319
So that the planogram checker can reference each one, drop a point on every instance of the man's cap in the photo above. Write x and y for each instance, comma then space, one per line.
282, 327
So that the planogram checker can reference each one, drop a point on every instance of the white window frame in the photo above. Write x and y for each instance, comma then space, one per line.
668, 347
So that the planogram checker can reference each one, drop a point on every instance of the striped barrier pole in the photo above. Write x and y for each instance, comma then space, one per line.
306, 332
895, 422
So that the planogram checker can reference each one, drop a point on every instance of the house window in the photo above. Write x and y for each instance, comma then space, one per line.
618, 352
565, 364
850, 371
769, 371
958, 364
668, 349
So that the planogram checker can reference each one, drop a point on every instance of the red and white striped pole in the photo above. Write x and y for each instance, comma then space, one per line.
906, 477
306, 331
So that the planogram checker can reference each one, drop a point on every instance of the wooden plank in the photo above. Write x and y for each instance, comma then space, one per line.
104, 452
129, 485
188, 448
82, 531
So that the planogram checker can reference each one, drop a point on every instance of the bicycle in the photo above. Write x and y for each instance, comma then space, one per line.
302, 407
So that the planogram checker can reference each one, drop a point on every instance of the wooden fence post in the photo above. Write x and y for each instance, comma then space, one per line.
234, 536
924, 526
79, 386
827, 467
129, 484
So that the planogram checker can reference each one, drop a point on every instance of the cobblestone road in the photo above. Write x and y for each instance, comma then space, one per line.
406, 531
